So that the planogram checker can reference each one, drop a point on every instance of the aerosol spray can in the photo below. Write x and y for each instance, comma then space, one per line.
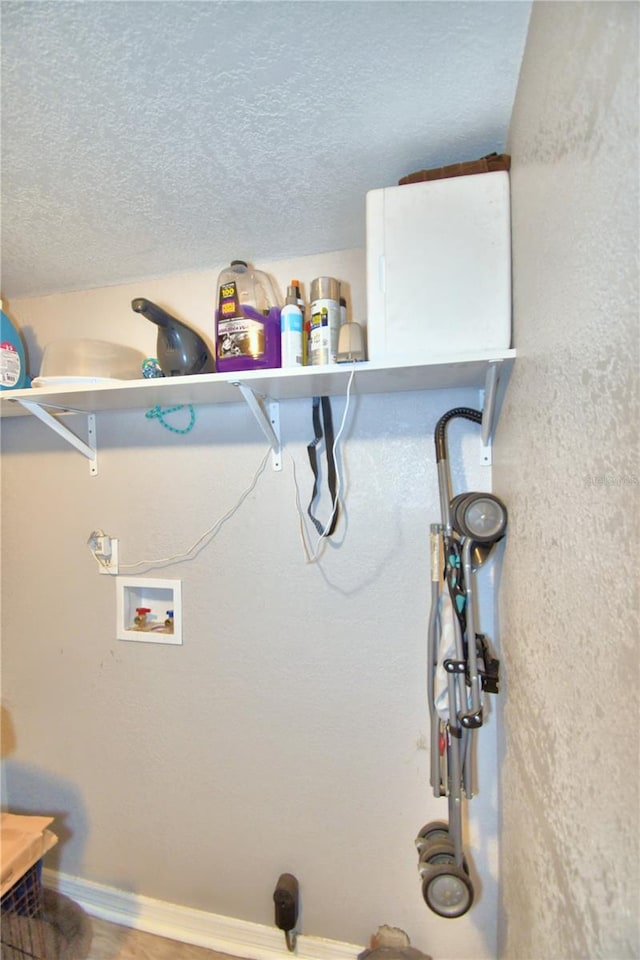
325, 320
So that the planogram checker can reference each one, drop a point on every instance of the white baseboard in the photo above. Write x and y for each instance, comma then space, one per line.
239, 938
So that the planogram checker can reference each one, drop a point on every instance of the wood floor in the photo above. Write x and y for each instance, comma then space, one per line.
111, 942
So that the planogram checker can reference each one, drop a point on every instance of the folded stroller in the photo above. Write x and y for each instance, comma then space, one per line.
461, 671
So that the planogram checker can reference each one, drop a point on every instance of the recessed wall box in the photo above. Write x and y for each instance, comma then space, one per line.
439, 268
149, 610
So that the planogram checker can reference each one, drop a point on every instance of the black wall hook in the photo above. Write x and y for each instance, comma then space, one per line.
286, 898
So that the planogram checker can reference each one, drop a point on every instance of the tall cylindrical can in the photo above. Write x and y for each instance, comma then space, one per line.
325, 320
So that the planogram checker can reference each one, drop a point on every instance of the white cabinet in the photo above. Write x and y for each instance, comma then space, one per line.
439, 267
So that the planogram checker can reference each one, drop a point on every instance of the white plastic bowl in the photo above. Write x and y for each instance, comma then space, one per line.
88, 361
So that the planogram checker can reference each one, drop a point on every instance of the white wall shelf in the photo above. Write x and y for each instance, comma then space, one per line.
262, 389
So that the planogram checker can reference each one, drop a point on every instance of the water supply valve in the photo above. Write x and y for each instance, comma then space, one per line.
140, 619
286, 896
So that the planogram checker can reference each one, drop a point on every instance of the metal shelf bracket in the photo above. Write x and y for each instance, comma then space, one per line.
489, 404
88, 449
267, 414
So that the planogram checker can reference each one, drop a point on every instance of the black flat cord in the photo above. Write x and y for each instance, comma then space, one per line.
323, 404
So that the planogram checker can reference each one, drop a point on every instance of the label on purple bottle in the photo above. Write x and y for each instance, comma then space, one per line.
238, 334
228, 303
240, 337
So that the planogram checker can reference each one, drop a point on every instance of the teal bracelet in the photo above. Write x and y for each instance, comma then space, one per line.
159, 413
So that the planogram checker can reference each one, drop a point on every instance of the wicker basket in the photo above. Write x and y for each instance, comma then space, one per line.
493, 161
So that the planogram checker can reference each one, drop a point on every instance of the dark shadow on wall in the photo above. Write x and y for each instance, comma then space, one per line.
62, 928
30, 790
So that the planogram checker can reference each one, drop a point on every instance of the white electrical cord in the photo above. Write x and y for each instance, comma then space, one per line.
208, 534
309, 555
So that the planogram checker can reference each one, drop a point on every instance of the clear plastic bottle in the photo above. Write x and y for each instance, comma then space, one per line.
248, 335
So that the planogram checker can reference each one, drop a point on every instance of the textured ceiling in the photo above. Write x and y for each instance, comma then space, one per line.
148, 138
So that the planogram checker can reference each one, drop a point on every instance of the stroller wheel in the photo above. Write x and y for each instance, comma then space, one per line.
447, 890
480, 516
439, 851
456, 516
435, 831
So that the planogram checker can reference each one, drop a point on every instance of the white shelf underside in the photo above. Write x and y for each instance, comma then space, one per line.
456, 371
262, 391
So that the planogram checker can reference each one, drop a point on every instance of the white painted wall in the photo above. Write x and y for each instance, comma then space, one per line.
566, 461
289, 732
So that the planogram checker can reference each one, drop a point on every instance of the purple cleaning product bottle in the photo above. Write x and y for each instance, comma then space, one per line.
247, 320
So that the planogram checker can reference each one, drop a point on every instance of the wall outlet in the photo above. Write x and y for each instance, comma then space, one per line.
109, 564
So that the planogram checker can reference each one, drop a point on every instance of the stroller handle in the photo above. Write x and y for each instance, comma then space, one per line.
440, 433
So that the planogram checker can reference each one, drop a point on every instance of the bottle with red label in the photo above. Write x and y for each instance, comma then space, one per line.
13, 367
248, 333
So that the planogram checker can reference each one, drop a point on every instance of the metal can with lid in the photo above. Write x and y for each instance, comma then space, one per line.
325, 321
